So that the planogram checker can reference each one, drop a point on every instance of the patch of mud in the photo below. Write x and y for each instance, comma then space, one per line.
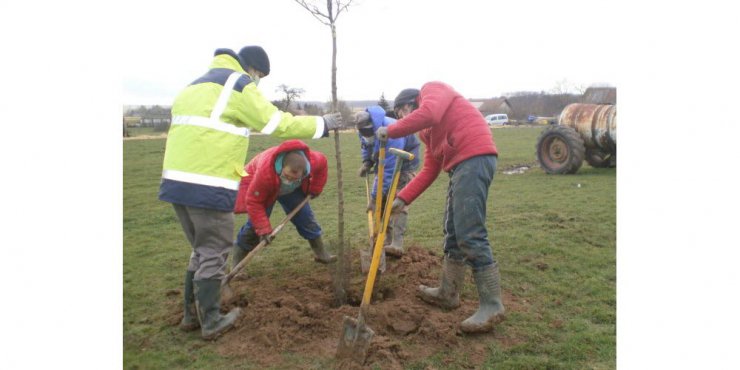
518, 170
296, 316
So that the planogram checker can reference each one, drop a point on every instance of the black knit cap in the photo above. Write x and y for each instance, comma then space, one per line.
255, 57
406, 96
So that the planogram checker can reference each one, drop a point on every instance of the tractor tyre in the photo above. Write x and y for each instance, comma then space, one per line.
598, 159
560, 150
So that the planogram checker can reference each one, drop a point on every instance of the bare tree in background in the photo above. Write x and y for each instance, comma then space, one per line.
291, 94
329, 18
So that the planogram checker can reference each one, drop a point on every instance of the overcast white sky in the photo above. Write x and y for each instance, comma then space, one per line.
482, 48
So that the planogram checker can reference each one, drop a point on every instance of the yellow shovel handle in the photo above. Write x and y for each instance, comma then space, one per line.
379, 187
378, 249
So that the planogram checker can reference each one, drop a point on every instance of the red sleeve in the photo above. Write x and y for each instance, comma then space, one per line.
434, 99
240, 206
429, 172
258, 195
319, 173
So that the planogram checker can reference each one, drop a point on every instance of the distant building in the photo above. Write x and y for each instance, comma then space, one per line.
495, 105
600, 95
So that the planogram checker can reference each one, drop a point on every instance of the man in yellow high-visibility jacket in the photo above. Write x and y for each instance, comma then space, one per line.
204, 162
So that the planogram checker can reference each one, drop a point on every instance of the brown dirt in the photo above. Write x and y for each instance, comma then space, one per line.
296, 316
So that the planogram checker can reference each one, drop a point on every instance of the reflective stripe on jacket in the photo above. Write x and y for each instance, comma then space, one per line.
209, 136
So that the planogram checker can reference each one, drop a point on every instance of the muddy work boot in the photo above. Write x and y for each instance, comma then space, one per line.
212, 322
190, 317
448, 293
395, 248
322, 256
491, 310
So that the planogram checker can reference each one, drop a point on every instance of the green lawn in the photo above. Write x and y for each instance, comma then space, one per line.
554, 237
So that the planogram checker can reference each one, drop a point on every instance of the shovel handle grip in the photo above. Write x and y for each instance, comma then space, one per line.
406, 156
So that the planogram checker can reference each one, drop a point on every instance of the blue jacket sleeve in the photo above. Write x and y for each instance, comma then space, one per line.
390, 163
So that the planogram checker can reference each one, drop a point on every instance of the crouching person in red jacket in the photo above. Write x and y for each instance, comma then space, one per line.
287, 174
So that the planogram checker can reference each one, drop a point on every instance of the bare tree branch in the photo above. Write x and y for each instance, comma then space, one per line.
341, 7
315, 12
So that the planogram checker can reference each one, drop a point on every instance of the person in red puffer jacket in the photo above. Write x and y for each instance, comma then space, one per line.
286, 173
458, 141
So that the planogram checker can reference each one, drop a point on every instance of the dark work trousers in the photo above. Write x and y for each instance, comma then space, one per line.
210, 235
466, 237
304, 221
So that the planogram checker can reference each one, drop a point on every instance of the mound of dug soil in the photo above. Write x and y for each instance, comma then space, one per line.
297, 317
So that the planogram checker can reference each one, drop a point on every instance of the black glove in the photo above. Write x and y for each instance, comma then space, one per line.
333, 121
397, 206
365, 168
266, 238
382, 133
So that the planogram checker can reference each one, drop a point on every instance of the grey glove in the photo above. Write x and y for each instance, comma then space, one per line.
365, 169
361, 119
398, 205
371, 206
382, 133
333, 121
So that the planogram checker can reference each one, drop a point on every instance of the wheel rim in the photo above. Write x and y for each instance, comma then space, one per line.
556, 153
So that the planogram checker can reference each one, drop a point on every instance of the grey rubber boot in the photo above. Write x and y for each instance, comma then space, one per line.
491, 310
212, 322
237, 254
322, 256
190, 317
395, 248
451, 282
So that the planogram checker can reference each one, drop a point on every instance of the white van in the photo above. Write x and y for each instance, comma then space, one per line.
497, 119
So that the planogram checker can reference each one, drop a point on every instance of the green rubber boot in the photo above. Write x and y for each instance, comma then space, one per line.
212, 322
237, 254
322, 256
491, 310
451, 282
395, 248
190, 317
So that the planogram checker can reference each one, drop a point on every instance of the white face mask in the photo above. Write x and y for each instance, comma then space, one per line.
285, 181
256, 79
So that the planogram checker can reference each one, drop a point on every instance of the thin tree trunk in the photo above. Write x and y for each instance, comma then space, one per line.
343, 260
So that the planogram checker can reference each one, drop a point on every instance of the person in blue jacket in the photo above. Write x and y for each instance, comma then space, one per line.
367, 123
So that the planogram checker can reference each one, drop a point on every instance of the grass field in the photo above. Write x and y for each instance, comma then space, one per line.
554, 238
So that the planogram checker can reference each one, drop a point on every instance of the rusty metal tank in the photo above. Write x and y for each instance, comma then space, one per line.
595, 123
584, 132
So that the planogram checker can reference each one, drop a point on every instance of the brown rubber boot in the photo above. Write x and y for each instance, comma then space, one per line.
491, 310
451, 282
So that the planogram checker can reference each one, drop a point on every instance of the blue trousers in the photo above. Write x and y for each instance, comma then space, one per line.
304, 221
466, 237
